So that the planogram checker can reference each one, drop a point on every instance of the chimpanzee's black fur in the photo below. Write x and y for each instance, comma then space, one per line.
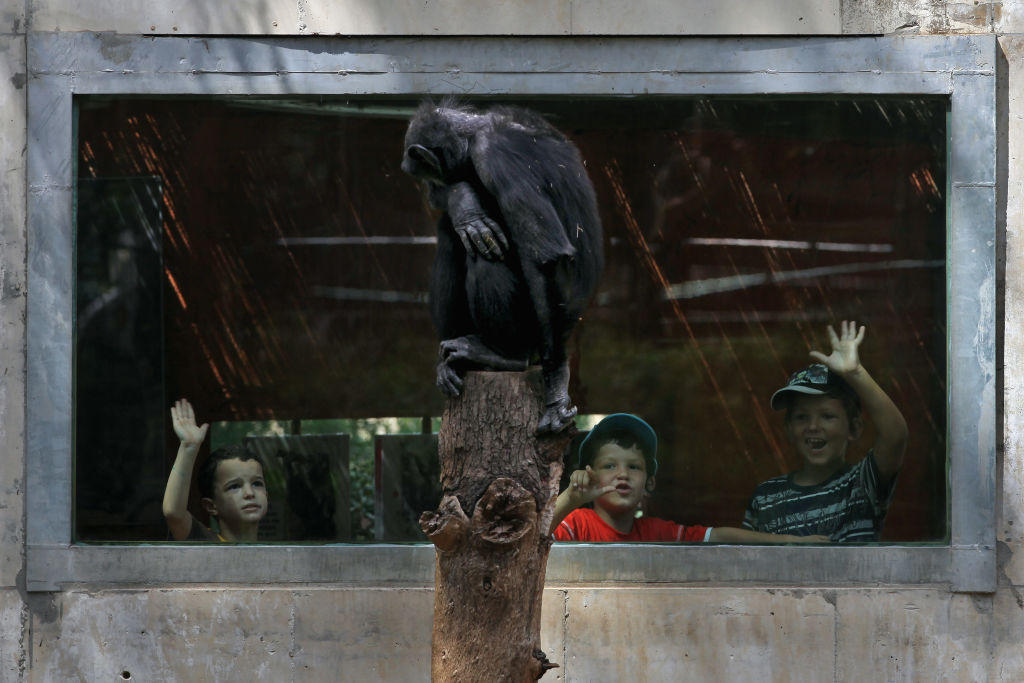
519, 248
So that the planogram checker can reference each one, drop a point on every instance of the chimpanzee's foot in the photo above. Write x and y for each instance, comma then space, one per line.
459, 354
559, 411
471, 351
557, 417
448, 380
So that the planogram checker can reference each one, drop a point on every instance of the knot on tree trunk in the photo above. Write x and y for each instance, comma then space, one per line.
541, 664
505, 513
447, 527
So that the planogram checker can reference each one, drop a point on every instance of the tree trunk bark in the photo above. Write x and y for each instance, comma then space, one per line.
490, 531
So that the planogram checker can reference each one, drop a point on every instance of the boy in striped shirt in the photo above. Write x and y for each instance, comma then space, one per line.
827, 496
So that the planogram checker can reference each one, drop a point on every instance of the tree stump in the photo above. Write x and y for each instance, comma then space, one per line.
499, 481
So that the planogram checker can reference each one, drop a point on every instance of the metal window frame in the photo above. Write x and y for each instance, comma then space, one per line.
963, 68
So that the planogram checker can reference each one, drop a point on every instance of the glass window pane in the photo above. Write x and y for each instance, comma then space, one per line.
268, 260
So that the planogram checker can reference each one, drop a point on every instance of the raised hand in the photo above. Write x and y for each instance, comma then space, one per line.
583, 487
844, 357
184, 420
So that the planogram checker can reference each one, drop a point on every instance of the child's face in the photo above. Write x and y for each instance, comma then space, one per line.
626, 470
820, 430
239, 492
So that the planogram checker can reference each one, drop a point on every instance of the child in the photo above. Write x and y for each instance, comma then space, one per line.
230, 482
617, 464
823, 415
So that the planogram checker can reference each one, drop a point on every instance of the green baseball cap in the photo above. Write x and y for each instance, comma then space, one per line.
644, 434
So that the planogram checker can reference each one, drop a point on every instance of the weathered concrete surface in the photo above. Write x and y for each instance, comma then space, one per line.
319, 634
230, 635
1007, 657
437, 17
1008, 604
912, 635
641, 633
12, 17
698, 634
12, 303
1008, 17
363, 635
672, 17
174, 17
554, 609
13, 641
272, 634
1010, 528
162, 635
13, 616
919, 16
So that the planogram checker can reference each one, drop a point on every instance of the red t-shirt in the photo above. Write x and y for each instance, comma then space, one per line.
583, 524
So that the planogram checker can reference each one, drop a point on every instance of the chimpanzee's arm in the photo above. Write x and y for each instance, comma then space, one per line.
449, 307
525, 184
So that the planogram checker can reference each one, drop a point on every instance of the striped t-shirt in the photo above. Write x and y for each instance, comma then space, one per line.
849, 507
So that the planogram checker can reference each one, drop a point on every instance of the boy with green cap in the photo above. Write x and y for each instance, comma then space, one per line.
617, 462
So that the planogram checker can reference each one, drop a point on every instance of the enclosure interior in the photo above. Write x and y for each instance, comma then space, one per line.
268, 260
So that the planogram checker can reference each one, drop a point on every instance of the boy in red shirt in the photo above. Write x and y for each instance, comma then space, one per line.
616, 468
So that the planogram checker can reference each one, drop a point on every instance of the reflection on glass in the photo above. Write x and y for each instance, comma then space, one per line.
308, 475
408, 483
120, 412
269, 260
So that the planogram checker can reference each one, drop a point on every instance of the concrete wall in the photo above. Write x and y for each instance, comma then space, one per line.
280, 633
13, 610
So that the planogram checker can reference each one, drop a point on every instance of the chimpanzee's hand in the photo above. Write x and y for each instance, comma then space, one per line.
483, 236
479, 232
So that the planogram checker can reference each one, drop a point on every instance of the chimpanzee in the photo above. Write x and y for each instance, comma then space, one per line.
519, 246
